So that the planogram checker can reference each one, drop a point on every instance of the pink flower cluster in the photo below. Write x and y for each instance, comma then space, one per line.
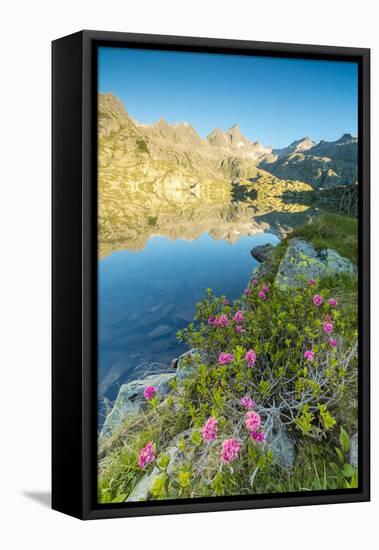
248, 403
239, 329
318, 300
254, 282
247, 292
229, 450
238, 317
250, 357
259, 437
332, 342
312, 282
309, 355
253, 421
149, 392
262, 293
332, 302
328, 328
146, 455
218, 321
210, 428
225, 358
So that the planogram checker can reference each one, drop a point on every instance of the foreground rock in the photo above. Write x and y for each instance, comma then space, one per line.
302, 261
262, 252
353, 452
280, 443
130, 399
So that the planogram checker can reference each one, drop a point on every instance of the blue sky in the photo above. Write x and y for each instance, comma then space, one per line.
274, 100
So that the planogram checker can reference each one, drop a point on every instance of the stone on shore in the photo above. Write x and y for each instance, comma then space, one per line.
302, 262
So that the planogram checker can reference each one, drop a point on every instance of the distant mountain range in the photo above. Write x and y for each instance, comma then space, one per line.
163, 152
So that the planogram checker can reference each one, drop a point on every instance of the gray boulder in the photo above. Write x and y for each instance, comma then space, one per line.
353, 452
334, 263
130, 399
302, 261
280, 443
262, 252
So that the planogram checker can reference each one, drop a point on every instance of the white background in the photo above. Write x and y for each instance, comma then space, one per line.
27, 29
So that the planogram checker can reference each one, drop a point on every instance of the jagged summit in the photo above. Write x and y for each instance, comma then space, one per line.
297, 146
345, 138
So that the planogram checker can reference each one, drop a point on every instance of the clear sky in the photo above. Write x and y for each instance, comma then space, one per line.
273, 100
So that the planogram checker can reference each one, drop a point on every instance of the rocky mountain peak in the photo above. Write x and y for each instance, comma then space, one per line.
346, 138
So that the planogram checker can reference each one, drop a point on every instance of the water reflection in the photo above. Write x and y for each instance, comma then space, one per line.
131, 213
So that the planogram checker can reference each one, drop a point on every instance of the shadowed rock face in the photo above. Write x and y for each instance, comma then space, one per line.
326, 164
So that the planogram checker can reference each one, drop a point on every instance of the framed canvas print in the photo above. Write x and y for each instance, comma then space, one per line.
210, 275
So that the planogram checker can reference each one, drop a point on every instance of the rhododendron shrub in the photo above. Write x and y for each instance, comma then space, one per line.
289, 354
284, 358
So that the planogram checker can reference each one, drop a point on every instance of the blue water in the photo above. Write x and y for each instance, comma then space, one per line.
146, 296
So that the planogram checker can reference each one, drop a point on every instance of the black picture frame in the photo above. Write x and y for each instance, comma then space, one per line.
74, 273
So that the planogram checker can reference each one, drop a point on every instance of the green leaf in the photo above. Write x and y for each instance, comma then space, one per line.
119, 498
344, 441
348, 470
158, 486
163, 461
184, 479
340, 455
196, 438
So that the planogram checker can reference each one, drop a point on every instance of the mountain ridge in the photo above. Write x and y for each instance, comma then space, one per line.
178, 151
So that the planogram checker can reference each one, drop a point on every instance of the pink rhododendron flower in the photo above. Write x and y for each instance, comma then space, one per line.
149, 392
225, 358
332, 302
248, 403
247, 291
311, 282
146, 455
259, 437
238, 317
254, 282
210, 428
265, 289
309, 355
253, 421
222, 320
239, 329
332, 342
229, 450
318, 300
262, 295
328, 328
250, 357
212, 320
